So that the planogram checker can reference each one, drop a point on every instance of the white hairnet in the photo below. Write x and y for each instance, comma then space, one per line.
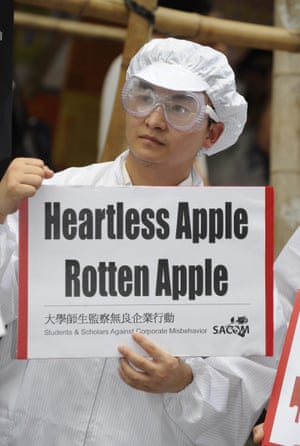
188, 66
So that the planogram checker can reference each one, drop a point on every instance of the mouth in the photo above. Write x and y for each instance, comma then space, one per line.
152, 139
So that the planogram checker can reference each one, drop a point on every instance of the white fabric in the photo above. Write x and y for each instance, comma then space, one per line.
172, 77
2, 326
286, 271
83, 402
177, 63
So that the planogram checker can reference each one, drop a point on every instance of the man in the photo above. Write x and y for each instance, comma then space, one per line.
110, 83
180, 98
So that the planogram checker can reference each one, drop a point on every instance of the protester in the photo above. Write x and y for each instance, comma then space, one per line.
110, 83
180, 98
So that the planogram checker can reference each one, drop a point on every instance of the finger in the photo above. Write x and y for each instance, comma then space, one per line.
31, 166
137, 379
258, 433
30, 161
28, 175
34, 170
25, 175
21, 163
48, 173
131, 373
150, 347
25, 190
25, 187
31, 178
137, 360
133, 377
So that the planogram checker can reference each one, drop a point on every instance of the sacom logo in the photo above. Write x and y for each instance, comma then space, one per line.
237, 326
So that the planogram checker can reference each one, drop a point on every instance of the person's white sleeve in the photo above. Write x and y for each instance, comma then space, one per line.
287, 272
8, 269
227, 395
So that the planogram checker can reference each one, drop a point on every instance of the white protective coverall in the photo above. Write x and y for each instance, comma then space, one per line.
83, 402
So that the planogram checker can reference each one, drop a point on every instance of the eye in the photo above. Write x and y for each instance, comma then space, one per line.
180, 109
182, 104
145, 97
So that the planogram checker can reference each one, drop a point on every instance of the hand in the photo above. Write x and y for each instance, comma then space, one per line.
258, 433
158, 374
22, 178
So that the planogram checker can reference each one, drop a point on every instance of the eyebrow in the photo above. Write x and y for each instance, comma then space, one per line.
176, 95
182, 96
145, 85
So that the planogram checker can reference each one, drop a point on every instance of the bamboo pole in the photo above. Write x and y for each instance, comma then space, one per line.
112, 11
70, 27
190, 25
285, 143
212, 29
138, 32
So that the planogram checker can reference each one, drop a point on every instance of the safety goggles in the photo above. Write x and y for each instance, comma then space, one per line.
183, 110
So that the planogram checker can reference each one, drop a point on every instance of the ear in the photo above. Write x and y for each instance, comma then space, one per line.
214, 132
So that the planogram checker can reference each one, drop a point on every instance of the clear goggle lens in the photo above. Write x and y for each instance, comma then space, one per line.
182, 110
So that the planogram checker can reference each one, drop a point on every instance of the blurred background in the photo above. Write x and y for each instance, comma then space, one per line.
59, 84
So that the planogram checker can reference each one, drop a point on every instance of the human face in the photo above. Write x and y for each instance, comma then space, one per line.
152, 140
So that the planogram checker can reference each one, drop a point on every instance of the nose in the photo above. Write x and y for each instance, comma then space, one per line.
156, 119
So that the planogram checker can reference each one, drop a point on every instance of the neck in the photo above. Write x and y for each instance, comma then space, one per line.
151, 174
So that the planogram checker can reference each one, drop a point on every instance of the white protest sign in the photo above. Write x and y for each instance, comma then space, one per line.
189, 267
282, 424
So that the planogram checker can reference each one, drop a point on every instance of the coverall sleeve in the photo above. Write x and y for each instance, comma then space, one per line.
9, 269
227, 394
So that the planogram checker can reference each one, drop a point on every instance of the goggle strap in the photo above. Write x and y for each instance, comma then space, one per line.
211, 113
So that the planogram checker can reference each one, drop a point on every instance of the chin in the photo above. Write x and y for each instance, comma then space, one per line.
148, 154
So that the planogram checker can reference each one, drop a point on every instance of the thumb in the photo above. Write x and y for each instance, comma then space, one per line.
48, 173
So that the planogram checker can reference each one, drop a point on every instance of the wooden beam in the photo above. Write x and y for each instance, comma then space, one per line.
189, 25
69, 27
139, 31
